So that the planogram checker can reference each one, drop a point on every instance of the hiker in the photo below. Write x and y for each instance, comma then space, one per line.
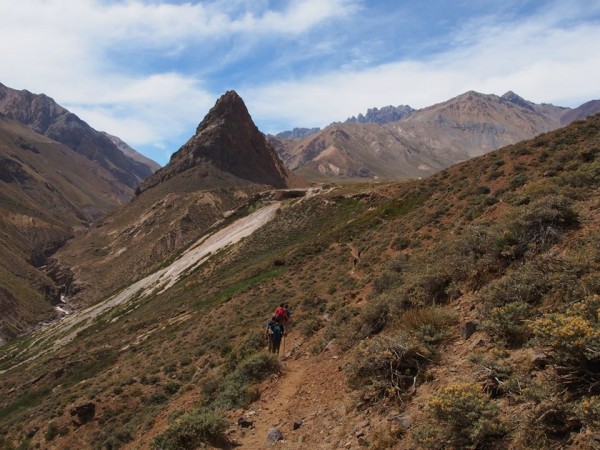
275, 331
282, 313
289, 312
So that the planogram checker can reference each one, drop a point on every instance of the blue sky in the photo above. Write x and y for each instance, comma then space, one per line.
149, 70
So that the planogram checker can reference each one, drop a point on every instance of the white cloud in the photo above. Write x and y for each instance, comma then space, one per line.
146, 112
540, 59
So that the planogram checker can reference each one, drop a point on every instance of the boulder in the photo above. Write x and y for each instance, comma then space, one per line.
274, 435
245, 423
83, 414
468, 329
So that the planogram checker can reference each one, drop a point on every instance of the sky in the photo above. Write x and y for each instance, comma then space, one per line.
149, 70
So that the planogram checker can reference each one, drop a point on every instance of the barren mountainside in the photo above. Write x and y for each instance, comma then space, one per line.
420, 142
47, 193
43, 115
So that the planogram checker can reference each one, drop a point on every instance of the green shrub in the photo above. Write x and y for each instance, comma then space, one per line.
574, 334
171, 388
116, 438
500, 379
372, 318
524, 284
428, 325
249, 345
540, 224
401, 243
387, 367
508, 322
191, 430
51, 432
256, 367
156, 398
464, 417
310, 326
588, 410
238, 388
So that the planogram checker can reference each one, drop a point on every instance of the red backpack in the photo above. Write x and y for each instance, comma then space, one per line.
281, 314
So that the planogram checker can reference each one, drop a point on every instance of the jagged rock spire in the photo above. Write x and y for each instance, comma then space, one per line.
228, 139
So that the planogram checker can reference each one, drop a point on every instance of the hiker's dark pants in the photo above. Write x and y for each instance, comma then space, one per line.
274, 345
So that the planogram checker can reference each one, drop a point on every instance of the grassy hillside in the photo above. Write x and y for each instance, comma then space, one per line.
457, 311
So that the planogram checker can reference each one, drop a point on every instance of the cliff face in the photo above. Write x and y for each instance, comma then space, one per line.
227, 139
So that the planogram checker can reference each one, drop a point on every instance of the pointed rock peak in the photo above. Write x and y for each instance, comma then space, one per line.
229, 107
229, 97
227, 139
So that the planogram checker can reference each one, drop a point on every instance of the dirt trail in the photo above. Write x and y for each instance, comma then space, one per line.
311, 392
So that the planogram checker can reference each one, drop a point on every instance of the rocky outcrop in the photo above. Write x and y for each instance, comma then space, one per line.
382, 116
83, 414
228, 140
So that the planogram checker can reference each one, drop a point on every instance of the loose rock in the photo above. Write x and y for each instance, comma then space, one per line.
469, 328
83, 413
274, 435
245, 423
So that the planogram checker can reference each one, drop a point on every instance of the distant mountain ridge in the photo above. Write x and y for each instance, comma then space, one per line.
424, 141
581, 112
382, 116
43, 115
131, 152
298, 133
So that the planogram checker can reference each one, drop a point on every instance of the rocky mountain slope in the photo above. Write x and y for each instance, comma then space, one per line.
219, 170
457, 311
421, 142
132, 153
581, 112
43, 115
47, 193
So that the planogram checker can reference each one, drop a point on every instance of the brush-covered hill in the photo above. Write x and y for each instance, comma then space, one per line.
220, 169
458, 311
421, 142
47, 193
